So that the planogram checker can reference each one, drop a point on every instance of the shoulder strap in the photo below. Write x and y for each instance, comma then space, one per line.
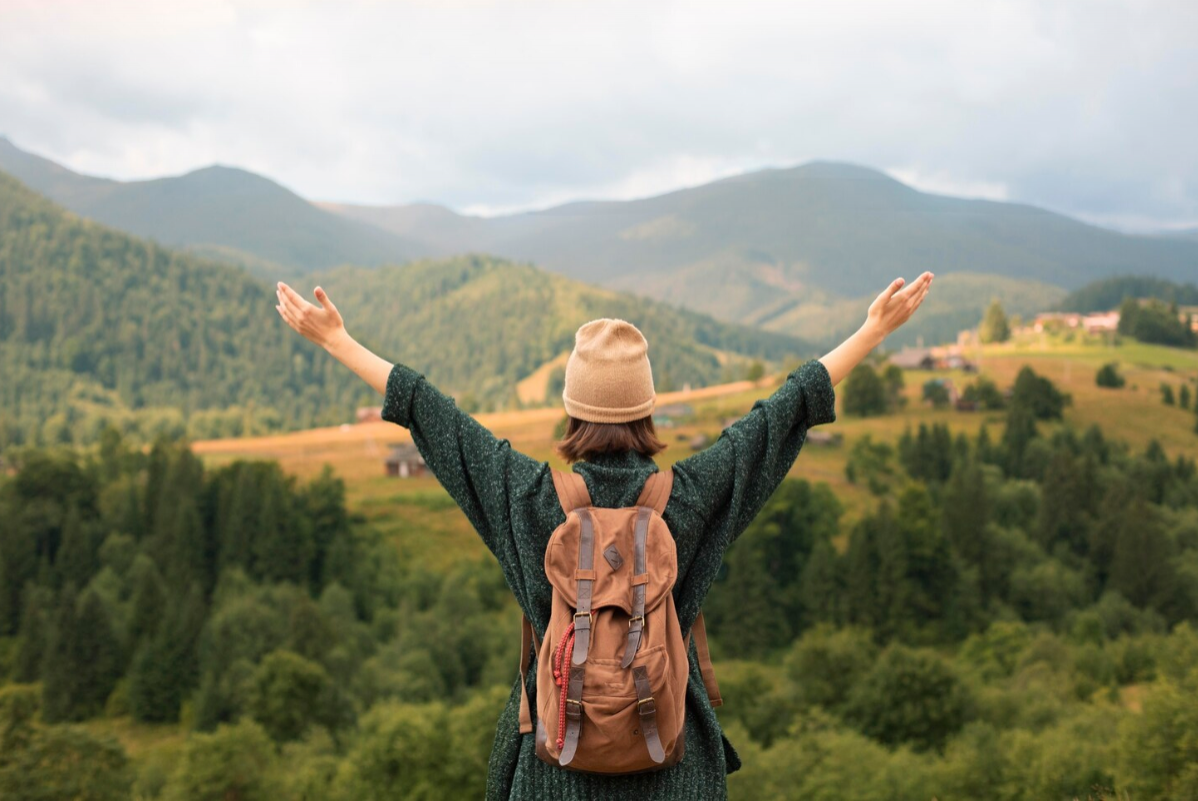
656, 493
571, 490
699, 632
528, 639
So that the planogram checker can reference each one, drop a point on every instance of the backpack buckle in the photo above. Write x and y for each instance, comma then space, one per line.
591, 615
636, 617
640, 706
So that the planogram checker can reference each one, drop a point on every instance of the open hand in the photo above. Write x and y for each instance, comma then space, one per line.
897, 303
320, 324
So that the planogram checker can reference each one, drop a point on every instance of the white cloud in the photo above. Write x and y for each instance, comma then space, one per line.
1085, 107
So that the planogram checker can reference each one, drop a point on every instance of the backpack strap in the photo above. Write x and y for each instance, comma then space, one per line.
699, 631
528, 637
656, 492
647, 707
571, 490
640, 577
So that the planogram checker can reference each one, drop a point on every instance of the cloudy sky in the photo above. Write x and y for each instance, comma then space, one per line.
1089, 108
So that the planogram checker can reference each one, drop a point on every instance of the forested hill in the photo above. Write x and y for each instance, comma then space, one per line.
1110, 292
217, 211
98, 326
752, 247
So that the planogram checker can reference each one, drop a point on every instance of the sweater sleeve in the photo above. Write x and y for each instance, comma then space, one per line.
730, 481
482, 473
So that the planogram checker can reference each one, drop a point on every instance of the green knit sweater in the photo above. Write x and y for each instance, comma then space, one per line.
510, 500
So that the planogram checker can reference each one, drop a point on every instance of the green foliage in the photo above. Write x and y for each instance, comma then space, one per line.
1158, 748
1109, 376
826, 663
983, 392
994, 327
756, 606
1167, 394
164, 668
288, 694
39, 763
1108, 293
1039, 395
423, 752
82, 659
927, 455
936, 393
873, 463
909, 696
864, 393
231, 762
1155, 322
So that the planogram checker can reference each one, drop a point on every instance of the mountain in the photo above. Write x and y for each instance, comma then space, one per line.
769, 246
220, 212
98, 327
800, 251
1189, 234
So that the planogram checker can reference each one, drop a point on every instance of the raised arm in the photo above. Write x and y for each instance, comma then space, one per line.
481, 472
736, 475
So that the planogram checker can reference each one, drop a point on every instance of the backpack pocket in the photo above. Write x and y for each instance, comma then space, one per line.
612, 738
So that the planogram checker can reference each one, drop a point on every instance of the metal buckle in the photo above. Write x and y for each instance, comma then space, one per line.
640, 708
591, 615
636, 617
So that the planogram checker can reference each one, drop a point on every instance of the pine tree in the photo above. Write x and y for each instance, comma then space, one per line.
148, 597
821, 587
96, 654
994, 326
165, 667
861, 573
283, 548
324, 507
60, 679
35, 624
76, 560
1020, 430
965, 515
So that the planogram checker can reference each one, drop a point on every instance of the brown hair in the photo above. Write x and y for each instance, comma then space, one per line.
584, 439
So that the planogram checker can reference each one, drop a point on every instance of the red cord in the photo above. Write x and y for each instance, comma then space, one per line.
561, 659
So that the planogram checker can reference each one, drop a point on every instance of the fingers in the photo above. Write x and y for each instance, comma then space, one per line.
912, 289
325, 300
291, 299
287, 316
889, 291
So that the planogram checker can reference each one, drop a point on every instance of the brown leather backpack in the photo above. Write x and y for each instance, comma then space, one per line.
612, 670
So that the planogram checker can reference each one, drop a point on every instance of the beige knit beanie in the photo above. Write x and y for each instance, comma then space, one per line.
608, 377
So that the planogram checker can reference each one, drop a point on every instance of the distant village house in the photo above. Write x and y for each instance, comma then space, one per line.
667, 416
934, 358
405, 461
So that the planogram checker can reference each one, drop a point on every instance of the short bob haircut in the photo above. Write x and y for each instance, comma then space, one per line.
585, 439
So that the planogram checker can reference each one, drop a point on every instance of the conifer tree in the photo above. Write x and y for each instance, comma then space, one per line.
76, 559
165, 667
147, 598
821, 587
96, 654
60, 680
34, 632
283, 547
994, 326
965, 514
1020, 430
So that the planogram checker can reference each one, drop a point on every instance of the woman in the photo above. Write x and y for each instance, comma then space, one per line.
511, 501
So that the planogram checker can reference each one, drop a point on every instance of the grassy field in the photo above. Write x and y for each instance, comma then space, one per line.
423, 522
